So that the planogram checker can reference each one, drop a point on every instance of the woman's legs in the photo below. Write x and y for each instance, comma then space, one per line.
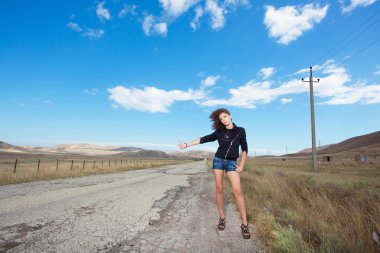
235, 182
218, 175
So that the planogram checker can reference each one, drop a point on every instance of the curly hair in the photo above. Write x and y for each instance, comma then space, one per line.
214, 116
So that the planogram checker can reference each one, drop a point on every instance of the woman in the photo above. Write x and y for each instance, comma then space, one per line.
229, 137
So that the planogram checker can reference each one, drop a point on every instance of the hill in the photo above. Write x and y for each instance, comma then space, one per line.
6, 147
96, 150
368, 143
146, 153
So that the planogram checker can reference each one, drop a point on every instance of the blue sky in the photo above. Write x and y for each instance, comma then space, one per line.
148, 73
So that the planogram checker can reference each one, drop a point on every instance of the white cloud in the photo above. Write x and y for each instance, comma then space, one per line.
152, 27
366, 94
91, 92
150, 99
147, 24
210, 81
175, 8
236, 3
333, 82
172, 9
48, 102
289, 23
195, 23
127, 9
217, 14
74, 26
93, 33
87, 32
286, 100
161, 28
377, 72
334, 86
354, 4
265, 73
245, 96
102, 13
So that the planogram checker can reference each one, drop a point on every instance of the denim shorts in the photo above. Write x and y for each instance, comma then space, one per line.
223, 164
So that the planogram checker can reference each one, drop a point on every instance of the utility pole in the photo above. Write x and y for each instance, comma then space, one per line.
311, 81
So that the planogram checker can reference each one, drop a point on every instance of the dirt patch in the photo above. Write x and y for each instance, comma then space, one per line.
11, 236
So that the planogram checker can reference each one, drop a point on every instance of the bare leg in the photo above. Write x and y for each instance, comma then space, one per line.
235, 182
218, 175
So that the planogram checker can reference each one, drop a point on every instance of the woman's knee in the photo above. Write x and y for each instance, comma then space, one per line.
219, 189
237, 192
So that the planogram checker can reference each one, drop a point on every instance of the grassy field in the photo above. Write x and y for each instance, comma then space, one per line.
41, 167
293, 209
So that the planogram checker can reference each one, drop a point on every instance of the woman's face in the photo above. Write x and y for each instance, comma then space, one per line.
225, 118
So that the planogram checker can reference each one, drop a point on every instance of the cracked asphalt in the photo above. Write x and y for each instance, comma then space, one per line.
165, 209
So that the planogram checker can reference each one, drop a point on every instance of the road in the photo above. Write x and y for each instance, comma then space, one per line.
165, 209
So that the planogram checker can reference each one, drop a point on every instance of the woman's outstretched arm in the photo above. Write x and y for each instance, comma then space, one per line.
189, 144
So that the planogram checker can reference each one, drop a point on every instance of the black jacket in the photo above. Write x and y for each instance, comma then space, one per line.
229, 141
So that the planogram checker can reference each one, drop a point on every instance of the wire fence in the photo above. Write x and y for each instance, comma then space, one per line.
27, 169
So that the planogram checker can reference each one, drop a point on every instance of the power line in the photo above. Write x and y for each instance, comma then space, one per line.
347, 36
352, 40
270, 115
361, 51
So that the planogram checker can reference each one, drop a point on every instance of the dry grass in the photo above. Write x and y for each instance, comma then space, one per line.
28, 170
295, 210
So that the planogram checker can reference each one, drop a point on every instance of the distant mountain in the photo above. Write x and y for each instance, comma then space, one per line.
369, 143
309, 150
146, 153
364, 143
128, 149
92, 149
85, 148
6, 147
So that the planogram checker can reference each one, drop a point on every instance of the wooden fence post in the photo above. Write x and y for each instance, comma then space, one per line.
38, 166
14, 171
102, 164
84, 162
109, 163
72, 163
57, 166
93, 166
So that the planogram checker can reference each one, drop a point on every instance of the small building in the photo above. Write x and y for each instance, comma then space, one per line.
326, 158
360, 157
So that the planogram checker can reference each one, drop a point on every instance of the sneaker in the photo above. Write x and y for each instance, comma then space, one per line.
222, 224
245, 231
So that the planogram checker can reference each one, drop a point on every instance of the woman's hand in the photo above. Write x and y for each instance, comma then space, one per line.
239, 168
182, 145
